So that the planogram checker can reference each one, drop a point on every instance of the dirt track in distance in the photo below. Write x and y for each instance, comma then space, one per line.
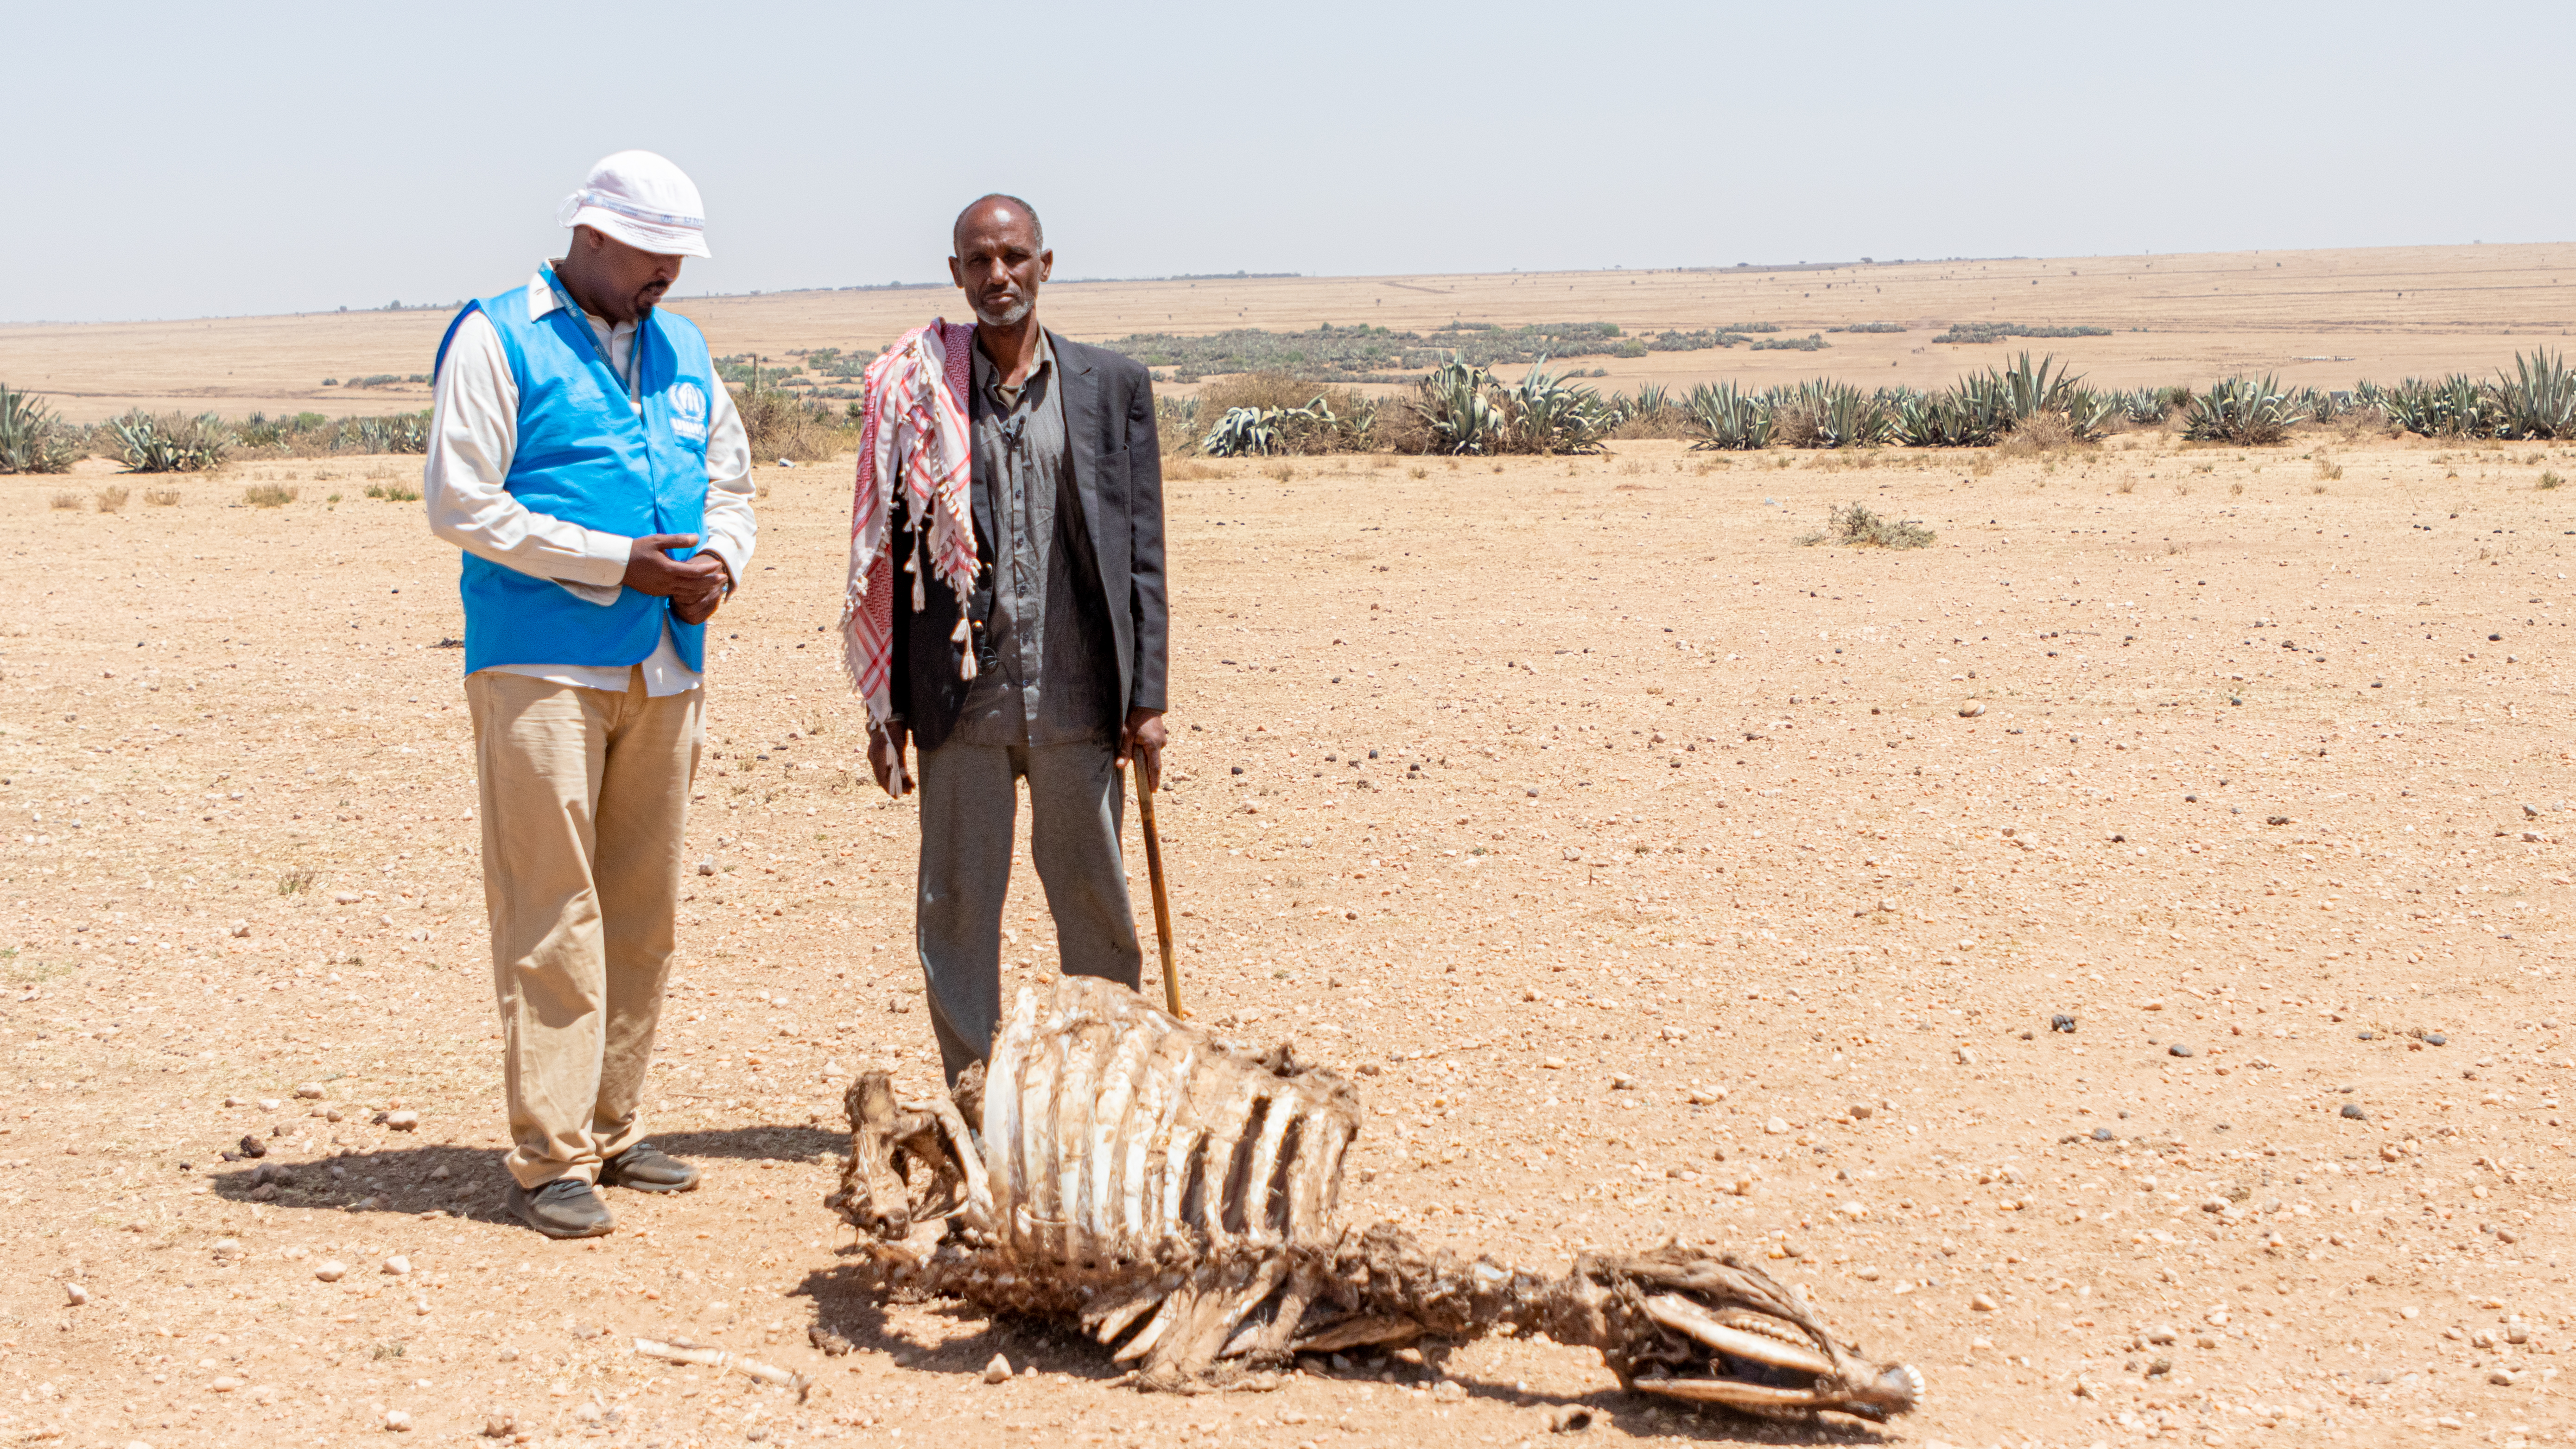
1553, 773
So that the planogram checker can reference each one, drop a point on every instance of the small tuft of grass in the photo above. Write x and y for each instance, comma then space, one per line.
112, 497
269, 495
71, 501
2235, 490
161, 497
2550, 480
1418, 472
1856, 525
394, 492
294, 882
2329, 470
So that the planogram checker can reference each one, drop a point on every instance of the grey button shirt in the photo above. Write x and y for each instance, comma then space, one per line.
1051, 681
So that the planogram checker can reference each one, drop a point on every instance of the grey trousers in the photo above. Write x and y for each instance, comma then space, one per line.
969, 811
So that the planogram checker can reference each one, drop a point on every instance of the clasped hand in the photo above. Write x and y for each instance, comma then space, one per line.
695, 585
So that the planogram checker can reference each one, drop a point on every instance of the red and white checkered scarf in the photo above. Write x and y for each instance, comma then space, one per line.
913, 434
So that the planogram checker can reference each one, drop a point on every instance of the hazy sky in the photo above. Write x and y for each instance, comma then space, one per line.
195, 160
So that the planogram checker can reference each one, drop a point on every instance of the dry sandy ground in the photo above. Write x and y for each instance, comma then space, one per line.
2316, 318
1554, 775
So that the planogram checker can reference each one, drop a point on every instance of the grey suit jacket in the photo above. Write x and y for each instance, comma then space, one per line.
1118, 471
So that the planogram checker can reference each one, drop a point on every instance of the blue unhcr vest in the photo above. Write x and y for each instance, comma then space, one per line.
588, 453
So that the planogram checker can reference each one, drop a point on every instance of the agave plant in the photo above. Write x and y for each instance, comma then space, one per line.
1647, 403
401, 433
1452, 399
1546, 415
171, 443
2538, 400
1828, 414
1241, 432
2145, 405
2090, 414
2029, 390
2455, 406
32, 439
1728, 417
2242, 410
1248, 431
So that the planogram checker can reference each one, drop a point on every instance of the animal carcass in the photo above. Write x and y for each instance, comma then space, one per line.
1115, 1167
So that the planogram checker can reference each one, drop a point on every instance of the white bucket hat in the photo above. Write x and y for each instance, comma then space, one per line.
642, 200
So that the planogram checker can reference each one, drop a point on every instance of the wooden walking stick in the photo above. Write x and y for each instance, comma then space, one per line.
1162, 894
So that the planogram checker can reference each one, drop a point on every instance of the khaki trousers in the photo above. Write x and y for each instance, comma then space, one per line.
584, 796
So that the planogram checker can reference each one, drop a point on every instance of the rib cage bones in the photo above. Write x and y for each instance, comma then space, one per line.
1115, 1167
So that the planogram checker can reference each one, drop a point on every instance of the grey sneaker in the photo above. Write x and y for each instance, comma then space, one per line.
563, 1208
647, 1168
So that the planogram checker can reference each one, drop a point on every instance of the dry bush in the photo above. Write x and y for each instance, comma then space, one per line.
1260, 390
784, 426
1191, 470
2039, 435
1661, 423
161, 497
112, 497
269, 495
72, 501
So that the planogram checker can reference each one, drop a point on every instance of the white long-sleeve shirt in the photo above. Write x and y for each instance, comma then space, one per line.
474, 432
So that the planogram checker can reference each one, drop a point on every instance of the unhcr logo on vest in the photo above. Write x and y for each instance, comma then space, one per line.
689, 411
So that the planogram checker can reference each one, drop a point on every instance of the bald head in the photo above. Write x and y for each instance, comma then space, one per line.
1003, 212
1001, 260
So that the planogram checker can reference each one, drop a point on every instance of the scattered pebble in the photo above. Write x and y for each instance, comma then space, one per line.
310, 1090
403, 1121
1983, 1304
75, 1294
351, 898
1972, 709
251, 1146
2353, 1111
2104, 1134
997, 1371
2178, 1049
396, 1267
1967, 1058
397, 1421
330, 1270
2060, 1021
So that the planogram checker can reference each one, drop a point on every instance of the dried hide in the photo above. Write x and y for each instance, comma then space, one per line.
1117, 1168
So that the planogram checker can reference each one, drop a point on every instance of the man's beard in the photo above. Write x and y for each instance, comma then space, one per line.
1011, 316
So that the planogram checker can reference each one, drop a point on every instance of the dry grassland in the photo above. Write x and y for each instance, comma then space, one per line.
1667, 874
2318, 318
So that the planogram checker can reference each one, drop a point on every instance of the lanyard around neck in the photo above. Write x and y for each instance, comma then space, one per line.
633, 381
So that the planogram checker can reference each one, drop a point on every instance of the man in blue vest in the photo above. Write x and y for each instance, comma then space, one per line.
589, 462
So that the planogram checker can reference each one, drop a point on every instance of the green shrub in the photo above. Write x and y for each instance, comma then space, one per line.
1869, 327
32, 439
1976, 332
269, 495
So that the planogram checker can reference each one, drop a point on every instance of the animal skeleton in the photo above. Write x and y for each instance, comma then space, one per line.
1121, 1169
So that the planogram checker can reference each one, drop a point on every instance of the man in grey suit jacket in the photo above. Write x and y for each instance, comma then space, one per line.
1068, 624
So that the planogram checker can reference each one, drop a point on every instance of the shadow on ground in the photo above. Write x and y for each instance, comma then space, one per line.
430, 1177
